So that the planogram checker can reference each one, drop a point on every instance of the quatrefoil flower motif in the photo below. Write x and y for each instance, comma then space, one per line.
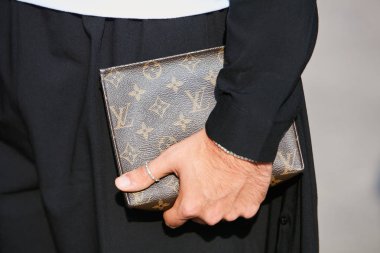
144, 130
159, 107
182, 122
137, 92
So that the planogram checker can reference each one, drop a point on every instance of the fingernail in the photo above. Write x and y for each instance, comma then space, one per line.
123, 181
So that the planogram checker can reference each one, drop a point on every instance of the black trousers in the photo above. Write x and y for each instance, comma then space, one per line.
57, 168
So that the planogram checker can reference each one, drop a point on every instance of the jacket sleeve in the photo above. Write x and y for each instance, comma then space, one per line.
258, 93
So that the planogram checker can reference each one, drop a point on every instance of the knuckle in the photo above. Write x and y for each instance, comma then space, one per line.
141, 172
169, 225
211, 221
231, 217
211, 218
142, 177
249, 213
189, 210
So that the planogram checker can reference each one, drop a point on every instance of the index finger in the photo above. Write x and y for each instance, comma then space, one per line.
172, 217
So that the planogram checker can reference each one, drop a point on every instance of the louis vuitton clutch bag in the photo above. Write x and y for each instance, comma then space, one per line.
154, 104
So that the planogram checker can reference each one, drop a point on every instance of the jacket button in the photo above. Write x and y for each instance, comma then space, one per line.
283, 220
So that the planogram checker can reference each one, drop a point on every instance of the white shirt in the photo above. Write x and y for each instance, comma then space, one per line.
139, 9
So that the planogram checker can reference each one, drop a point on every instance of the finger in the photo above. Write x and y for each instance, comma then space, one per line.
248, 213
233, 213
139, 178
172, 217
231, 216
199, 221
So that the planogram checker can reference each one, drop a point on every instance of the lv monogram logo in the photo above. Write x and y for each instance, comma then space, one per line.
197, 100
141, 198
161, 205
152, 70
121, 116
287, 161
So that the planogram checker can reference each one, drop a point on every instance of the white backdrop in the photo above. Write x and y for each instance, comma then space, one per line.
342, 86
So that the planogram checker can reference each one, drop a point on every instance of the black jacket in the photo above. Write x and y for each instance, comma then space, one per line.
268, 44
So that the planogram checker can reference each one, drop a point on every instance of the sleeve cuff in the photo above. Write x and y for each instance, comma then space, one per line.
245, 135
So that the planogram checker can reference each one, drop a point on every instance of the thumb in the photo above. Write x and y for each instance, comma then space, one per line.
139, 178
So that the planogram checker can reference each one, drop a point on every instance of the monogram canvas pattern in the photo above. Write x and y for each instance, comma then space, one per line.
153, 104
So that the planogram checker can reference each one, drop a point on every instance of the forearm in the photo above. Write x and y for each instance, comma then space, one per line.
268, 44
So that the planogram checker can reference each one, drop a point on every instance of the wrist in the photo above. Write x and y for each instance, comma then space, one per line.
232, 153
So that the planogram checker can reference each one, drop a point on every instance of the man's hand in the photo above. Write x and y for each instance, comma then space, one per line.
213, 184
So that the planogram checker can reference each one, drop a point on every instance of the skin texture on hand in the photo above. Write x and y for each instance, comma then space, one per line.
214, 185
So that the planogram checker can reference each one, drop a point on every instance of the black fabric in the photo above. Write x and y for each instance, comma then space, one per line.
258, 91
57, 168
